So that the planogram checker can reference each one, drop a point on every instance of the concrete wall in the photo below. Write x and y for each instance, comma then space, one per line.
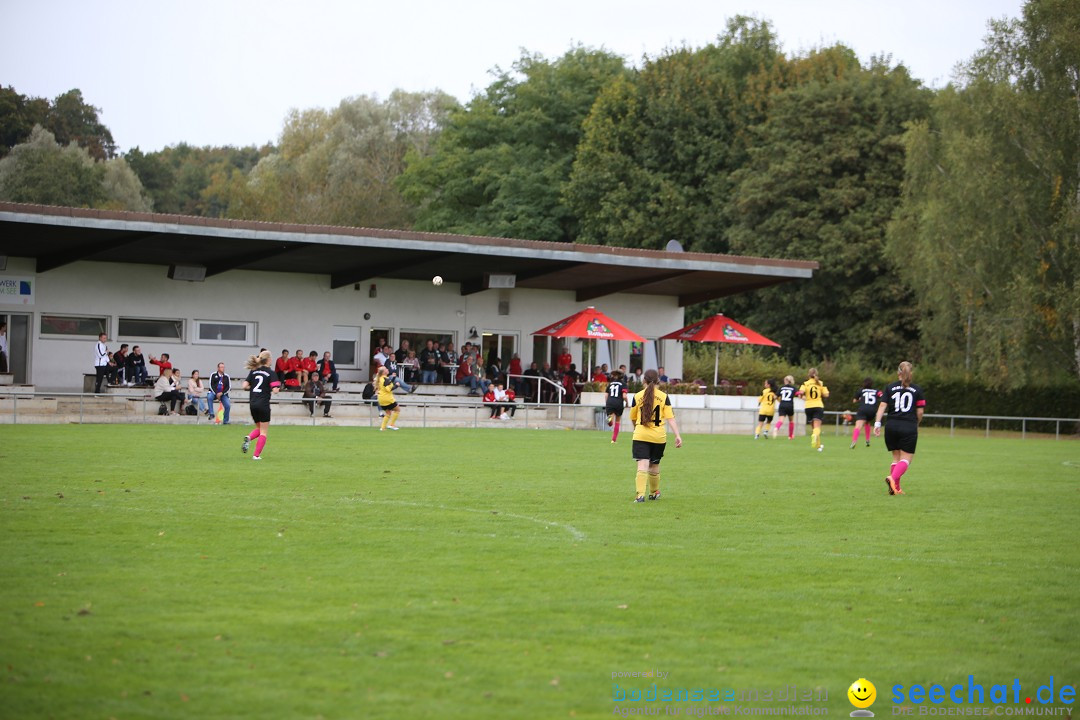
296, 311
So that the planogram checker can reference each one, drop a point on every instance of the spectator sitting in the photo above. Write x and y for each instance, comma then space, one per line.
662, 374
135, 367
120, 361
164, 366
599, 375
429, 364
380, 356
549, 392
570, 382
328, 370
167, 388
392, 372
311, 364
281, 367
466, 376
411, 367
495, 370
316, 391
532, 386
564, 361
296, 364
511, 402
495, 400
197, 394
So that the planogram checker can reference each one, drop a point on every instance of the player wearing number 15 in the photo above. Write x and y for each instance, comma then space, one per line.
814, 393
650, 411
260, 383
904, 403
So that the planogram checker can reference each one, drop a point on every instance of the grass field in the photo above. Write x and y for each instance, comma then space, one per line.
156, 572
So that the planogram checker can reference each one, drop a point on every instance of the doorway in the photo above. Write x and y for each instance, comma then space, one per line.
500, 345
18, 346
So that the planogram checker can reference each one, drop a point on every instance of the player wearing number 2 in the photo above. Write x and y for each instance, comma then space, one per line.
904, 403
260, 383
814, 393
650, 410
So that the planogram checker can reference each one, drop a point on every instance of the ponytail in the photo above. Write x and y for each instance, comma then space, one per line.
648, 397
256, 361
904, 372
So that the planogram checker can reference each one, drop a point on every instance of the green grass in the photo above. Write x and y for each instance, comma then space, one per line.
155, 572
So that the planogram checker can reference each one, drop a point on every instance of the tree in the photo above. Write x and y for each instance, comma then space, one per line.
992, 204
72, 120
500, 166
18, 116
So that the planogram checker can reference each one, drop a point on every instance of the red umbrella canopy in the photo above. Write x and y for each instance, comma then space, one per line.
720, 329
590, 323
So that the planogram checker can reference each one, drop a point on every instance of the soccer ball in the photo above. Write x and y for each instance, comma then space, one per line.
437, 280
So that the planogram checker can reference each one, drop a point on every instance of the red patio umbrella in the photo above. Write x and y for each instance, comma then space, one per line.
719, 329
589, 323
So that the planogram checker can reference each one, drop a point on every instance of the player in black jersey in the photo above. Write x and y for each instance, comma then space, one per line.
785, 398
904, 403
616, 402
260, 383
867, 399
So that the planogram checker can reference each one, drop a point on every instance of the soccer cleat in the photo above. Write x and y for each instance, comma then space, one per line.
820, 447
256, 457
392, 427
766, 434
639, 498
610, 420
612, 442
867, 443
247, 443
654, 495
852, 446
889, 482
755, 436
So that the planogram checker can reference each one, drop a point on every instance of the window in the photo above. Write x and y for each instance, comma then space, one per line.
224, 332
344, 353
73, 326
148, 328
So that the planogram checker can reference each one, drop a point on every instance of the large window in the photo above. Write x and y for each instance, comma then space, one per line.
224, 332
73, 326
150, 328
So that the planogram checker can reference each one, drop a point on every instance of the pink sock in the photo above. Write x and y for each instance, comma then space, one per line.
791, 429
867, 428
855, 436
260, 444
779, 424
897, 471
253, 434
615, 431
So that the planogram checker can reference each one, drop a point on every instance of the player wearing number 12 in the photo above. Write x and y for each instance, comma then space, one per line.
260, 383
814, 393
904, 403
650, 411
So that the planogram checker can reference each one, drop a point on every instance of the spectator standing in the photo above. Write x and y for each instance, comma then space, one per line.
515, 381
449, 360
328, 370
315, 393
402, 352
3, 347
220, 384
101, 361
532, 383
429, 364
565, 358
197, 393
380, 356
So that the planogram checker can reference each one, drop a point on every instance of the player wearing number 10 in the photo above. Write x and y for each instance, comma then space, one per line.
905, 404
814, 393
649, 411
260, 383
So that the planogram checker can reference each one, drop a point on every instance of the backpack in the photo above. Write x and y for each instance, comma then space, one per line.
369, 391
162, 409
191, 410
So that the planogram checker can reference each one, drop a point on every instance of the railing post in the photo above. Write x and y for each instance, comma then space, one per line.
988, 428
1023, 429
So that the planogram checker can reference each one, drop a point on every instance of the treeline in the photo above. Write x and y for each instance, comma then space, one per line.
945, 222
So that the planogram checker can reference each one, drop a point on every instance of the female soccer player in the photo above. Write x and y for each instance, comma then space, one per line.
766, 408
260, 384
815, 393
615, 403
786, 395
868, 402
648, 411
905, 403
384, 386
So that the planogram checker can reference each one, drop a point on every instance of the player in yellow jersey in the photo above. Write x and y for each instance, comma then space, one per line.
384, 386
814, 392
766, 408
650, 411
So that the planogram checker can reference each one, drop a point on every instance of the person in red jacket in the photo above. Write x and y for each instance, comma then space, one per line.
281, 367
163, 364
296, 365
310, 365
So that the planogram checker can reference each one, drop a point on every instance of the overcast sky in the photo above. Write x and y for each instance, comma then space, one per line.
225, 72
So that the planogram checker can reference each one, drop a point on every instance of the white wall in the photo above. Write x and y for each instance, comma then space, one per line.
296, 311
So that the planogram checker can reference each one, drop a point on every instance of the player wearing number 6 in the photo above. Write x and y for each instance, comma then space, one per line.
650, 410
904, 402
814, 393
260, 383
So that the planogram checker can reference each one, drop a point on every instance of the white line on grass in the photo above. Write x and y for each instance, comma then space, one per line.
574, 532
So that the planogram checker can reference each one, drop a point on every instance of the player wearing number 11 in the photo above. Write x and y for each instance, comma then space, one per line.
650, 411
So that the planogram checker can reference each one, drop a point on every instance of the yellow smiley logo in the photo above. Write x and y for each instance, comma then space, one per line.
862, 693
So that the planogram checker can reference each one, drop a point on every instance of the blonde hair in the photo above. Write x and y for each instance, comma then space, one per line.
812, 373
904, 372
788, 380
257, 361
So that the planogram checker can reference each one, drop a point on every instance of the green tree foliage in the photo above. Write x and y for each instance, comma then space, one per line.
989, 232
18, 116
193, 180
339, 167
500, 166
69, 118
42, 171
822, 180
659, 147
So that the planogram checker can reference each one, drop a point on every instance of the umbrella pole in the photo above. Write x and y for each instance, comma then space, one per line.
716, 367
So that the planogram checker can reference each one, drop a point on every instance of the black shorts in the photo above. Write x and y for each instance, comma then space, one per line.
813, 414
388, 408
653, 452
901, 436
260, 413
867, 414
615, 407
764, 418
786, 410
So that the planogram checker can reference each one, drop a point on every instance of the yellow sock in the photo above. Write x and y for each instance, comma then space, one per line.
640, 480
654, 482
393, 420
385, 420
817, 437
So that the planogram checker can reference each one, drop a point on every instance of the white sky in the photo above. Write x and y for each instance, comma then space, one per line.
225, 72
